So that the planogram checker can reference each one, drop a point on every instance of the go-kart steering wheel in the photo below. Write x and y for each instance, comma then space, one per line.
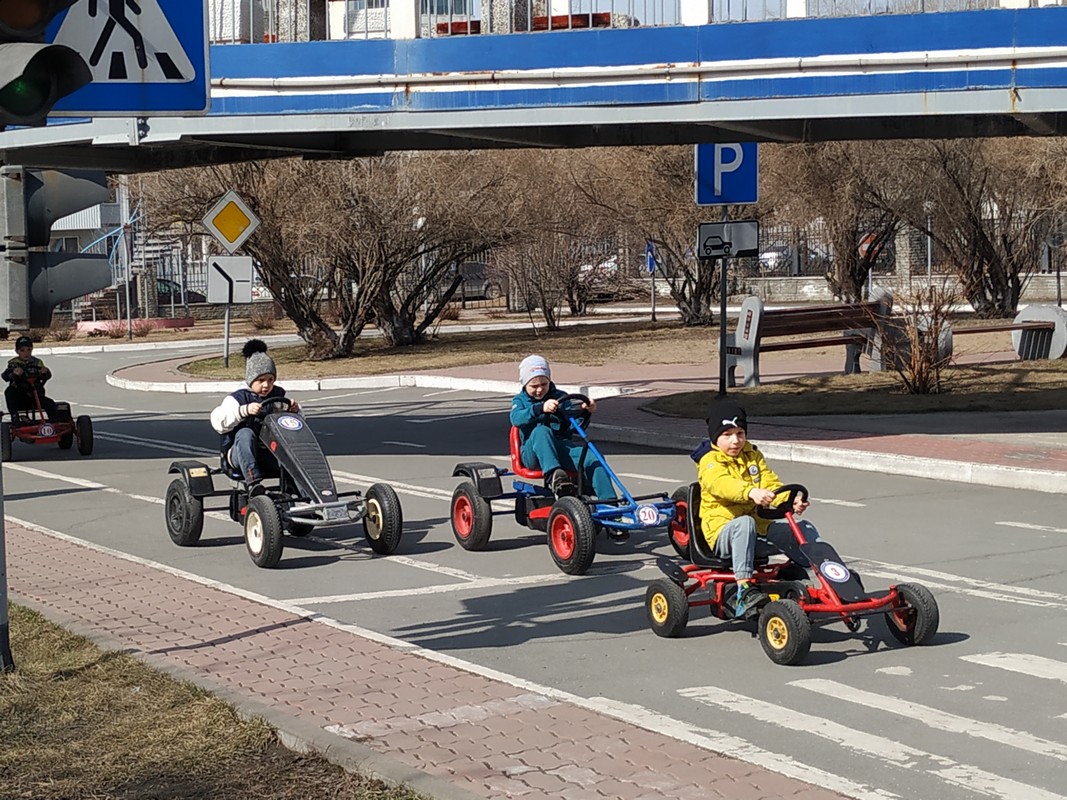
268, 406
779, 510
583, 415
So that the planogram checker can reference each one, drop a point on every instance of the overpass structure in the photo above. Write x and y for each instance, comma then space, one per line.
997, 72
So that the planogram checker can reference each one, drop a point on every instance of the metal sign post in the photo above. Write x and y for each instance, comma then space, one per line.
650, 260
229, 281
723, 240
7, 661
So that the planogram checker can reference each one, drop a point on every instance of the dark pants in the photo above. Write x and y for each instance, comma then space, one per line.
250, 458
20, 398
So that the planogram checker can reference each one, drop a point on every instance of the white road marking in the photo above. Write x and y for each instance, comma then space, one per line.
101, 408
642, 477
831, 502
686, 481
318, 400
444, 391
468, 585
431, 420
403, 488
1024, 663
404, 444
707, 739
1032, 527
933, 718
960, 584
861, 742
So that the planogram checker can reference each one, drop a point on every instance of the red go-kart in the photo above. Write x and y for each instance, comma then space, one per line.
784, 624
33, 426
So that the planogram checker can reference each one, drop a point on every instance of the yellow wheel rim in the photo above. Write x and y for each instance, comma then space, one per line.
374, 519
777, 633
660, 608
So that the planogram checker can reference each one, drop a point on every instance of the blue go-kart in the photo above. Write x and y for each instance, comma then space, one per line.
571, 522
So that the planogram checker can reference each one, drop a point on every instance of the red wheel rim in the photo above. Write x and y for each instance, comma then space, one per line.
562, 536
463, 516
679, 525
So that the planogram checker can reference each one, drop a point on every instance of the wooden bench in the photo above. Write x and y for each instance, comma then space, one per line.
853, 325
1038, 332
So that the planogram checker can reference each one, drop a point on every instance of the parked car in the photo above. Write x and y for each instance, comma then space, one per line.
480, 282
168, 291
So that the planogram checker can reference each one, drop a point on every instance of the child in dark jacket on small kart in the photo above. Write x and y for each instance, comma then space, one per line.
734, 481
19, 392
545, 435
234, 418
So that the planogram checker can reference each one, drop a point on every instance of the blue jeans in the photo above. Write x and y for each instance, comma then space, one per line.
249, 458
738, 539
546, 451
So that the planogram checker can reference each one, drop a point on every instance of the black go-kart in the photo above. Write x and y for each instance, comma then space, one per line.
304, 497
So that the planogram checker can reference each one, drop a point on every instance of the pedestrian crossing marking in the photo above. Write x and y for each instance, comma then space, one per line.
935, 719
126, 41
1034, 666
885, 750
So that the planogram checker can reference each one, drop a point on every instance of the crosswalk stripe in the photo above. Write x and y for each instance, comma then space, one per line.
933, 718
966, 776
1024, 663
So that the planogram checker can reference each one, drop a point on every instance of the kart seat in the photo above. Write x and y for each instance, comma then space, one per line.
699, 551
516, 458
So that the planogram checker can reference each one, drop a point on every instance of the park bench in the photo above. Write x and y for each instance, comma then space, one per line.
1037, 332
853, 325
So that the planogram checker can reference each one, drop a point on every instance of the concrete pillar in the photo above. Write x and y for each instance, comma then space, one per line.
695, 12
796, 8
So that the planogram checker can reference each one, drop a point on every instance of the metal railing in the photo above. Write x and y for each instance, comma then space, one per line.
267, 21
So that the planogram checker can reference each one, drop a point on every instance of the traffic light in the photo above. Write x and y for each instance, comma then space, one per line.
34, 75
33, 281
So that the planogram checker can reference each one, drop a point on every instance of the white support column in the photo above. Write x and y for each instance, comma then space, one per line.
796, 8
695, 12
404, 19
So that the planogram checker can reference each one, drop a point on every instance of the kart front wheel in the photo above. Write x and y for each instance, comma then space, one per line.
571, 535
5, 442
667, 608
66, 441
678, 527
84, 429
915, 617
784, 632
472, 518
184, 514
384, 522
263, 532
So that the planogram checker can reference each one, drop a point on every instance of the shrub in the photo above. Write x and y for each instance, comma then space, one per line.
37, 334
141, 327
449, 313
62, 331
115, 328
262, 317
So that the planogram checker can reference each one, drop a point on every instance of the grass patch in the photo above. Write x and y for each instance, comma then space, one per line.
1008, 386
78, 723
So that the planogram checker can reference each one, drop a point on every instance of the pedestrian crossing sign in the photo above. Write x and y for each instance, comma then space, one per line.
146, 57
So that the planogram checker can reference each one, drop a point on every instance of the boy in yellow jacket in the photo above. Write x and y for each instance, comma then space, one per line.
734, 481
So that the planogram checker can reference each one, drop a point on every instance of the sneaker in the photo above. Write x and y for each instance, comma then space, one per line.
749, 600
562, 485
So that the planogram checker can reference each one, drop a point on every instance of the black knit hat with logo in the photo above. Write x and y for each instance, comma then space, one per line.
724, 414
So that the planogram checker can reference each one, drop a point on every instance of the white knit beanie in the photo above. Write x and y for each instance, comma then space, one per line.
533, 367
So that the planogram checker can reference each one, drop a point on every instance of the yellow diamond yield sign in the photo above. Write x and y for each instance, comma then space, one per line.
231, 221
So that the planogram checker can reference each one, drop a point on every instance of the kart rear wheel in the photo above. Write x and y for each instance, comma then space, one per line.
184, 514
784, 632
5, 442
66, 441
84, 429
571, 535
667, 608
916, 617
472, 517
263, 532
678, 528
384, 523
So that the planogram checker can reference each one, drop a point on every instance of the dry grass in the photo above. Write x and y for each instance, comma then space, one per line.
79, 723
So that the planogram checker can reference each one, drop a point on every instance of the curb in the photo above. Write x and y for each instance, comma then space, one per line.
296, 735
366, 382
1036, 480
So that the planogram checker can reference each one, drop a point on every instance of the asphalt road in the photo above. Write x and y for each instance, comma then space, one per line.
982, 712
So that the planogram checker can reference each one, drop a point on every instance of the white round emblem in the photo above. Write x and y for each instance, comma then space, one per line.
647, 515
838, 573
291, 423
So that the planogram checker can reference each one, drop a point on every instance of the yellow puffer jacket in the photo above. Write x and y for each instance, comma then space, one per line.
724, 486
